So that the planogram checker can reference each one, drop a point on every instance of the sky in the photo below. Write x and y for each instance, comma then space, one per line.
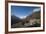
23, 11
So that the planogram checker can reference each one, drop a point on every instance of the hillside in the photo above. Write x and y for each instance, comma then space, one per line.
14, 19
35, 15
17, 22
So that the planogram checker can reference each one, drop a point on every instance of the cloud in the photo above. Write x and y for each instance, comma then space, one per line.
37, 9
23, 17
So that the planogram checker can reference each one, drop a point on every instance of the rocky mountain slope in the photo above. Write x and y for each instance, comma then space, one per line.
20, 22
